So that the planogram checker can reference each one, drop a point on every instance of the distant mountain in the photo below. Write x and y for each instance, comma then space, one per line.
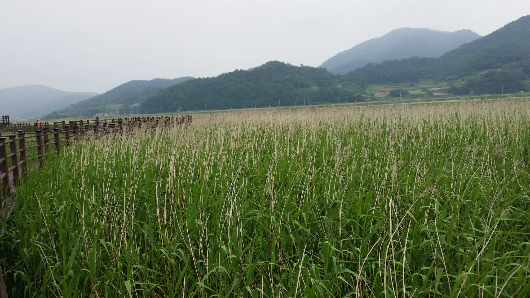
33, 101
399, 44
491, 64
271, 84
498, 62
120, 100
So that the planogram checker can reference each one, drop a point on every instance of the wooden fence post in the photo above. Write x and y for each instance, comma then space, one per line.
67, 135
22, 149
113, 129
3, 291
76, 132
14, 157
39, 146
56, 139
46, 139
3, 168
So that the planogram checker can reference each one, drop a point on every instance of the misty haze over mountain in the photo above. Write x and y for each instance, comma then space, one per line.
33, 101
123, 99
399, 44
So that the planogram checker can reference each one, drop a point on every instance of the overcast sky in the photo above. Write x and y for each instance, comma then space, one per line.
97, 45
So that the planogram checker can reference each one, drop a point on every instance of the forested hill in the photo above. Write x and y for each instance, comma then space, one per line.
399, 44
272, 84
119, 99
123, 92
486, 65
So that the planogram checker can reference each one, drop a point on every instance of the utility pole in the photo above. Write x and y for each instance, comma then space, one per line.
278, 102
502, 90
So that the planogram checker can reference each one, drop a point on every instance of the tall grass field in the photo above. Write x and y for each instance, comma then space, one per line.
425, 200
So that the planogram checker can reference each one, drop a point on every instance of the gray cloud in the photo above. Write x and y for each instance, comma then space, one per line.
97, 45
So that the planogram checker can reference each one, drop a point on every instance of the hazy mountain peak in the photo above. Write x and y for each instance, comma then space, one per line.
496, 63
399, 44
31, 101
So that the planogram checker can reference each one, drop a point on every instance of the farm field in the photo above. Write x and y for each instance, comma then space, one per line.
428, 90
427, 200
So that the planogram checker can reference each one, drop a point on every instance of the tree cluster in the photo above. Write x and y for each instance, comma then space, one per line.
272, 84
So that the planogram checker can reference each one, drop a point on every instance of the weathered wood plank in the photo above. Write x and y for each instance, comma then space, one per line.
3, 290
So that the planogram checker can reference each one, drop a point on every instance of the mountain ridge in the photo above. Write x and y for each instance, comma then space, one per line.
500, 59
501, 54
272, 84
120, 99
32, 101
398, 44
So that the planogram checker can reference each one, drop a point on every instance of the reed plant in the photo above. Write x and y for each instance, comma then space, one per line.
426, 200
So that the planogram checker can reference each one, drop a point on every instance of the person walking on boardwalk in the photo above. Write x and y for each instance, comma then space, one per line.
38, 123
97, 121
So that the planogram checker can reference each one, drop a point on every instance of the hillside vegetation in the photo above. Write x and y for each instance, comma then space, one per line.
485, 65
120, 100
272, 84
399, 44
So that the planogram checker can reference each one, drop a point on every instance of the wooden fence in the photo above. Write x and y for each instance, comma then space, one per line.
23, 150
127, 122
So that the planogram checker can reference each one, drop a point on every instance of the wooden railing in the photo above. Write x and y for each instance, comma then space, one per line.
18, 145
127, 122
22, 148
